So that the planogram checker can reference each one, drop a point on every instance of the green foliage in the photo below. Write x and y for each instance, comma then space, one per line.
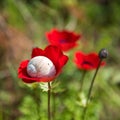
29, 109
99, 26
15, 18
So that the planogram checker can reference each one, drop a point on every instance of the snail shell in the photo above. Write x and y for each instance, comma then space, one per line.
41, 66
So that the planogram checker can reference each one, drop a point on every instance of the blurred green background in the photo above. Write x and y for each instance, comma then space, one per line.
23, 24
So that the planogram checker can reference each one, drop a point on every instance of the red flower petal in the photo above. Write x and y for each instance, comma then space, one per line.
22, 69
87, 61
62, 61
67, 46
37, 52
53, 53
22, 73
66, 40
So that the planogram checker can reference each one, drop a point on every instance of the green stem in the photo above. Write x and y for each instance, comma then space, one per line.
82, 80
90, 90
49, 92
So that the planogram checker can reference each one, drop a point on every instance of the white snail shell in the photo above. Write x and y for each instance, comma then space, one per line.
40, 67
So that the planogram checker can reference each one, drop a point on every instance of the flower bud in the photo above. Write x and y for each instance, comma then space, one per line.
103, 53
40, 67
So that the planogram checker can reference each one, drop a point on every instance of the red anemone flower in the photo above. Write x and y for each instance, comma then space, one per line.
66, 40
53, 53
87, 61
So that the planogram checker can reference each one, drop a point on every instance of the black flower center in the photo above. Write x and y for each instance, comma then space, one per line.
62, 41
87, 63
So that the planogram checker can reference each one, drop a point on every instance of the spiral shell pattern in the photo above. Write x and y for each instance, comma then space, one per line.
40, 67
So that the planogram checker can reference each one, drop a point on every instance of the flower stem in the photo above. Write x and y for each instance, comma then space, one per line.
90, 90
82, 80
49, 92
